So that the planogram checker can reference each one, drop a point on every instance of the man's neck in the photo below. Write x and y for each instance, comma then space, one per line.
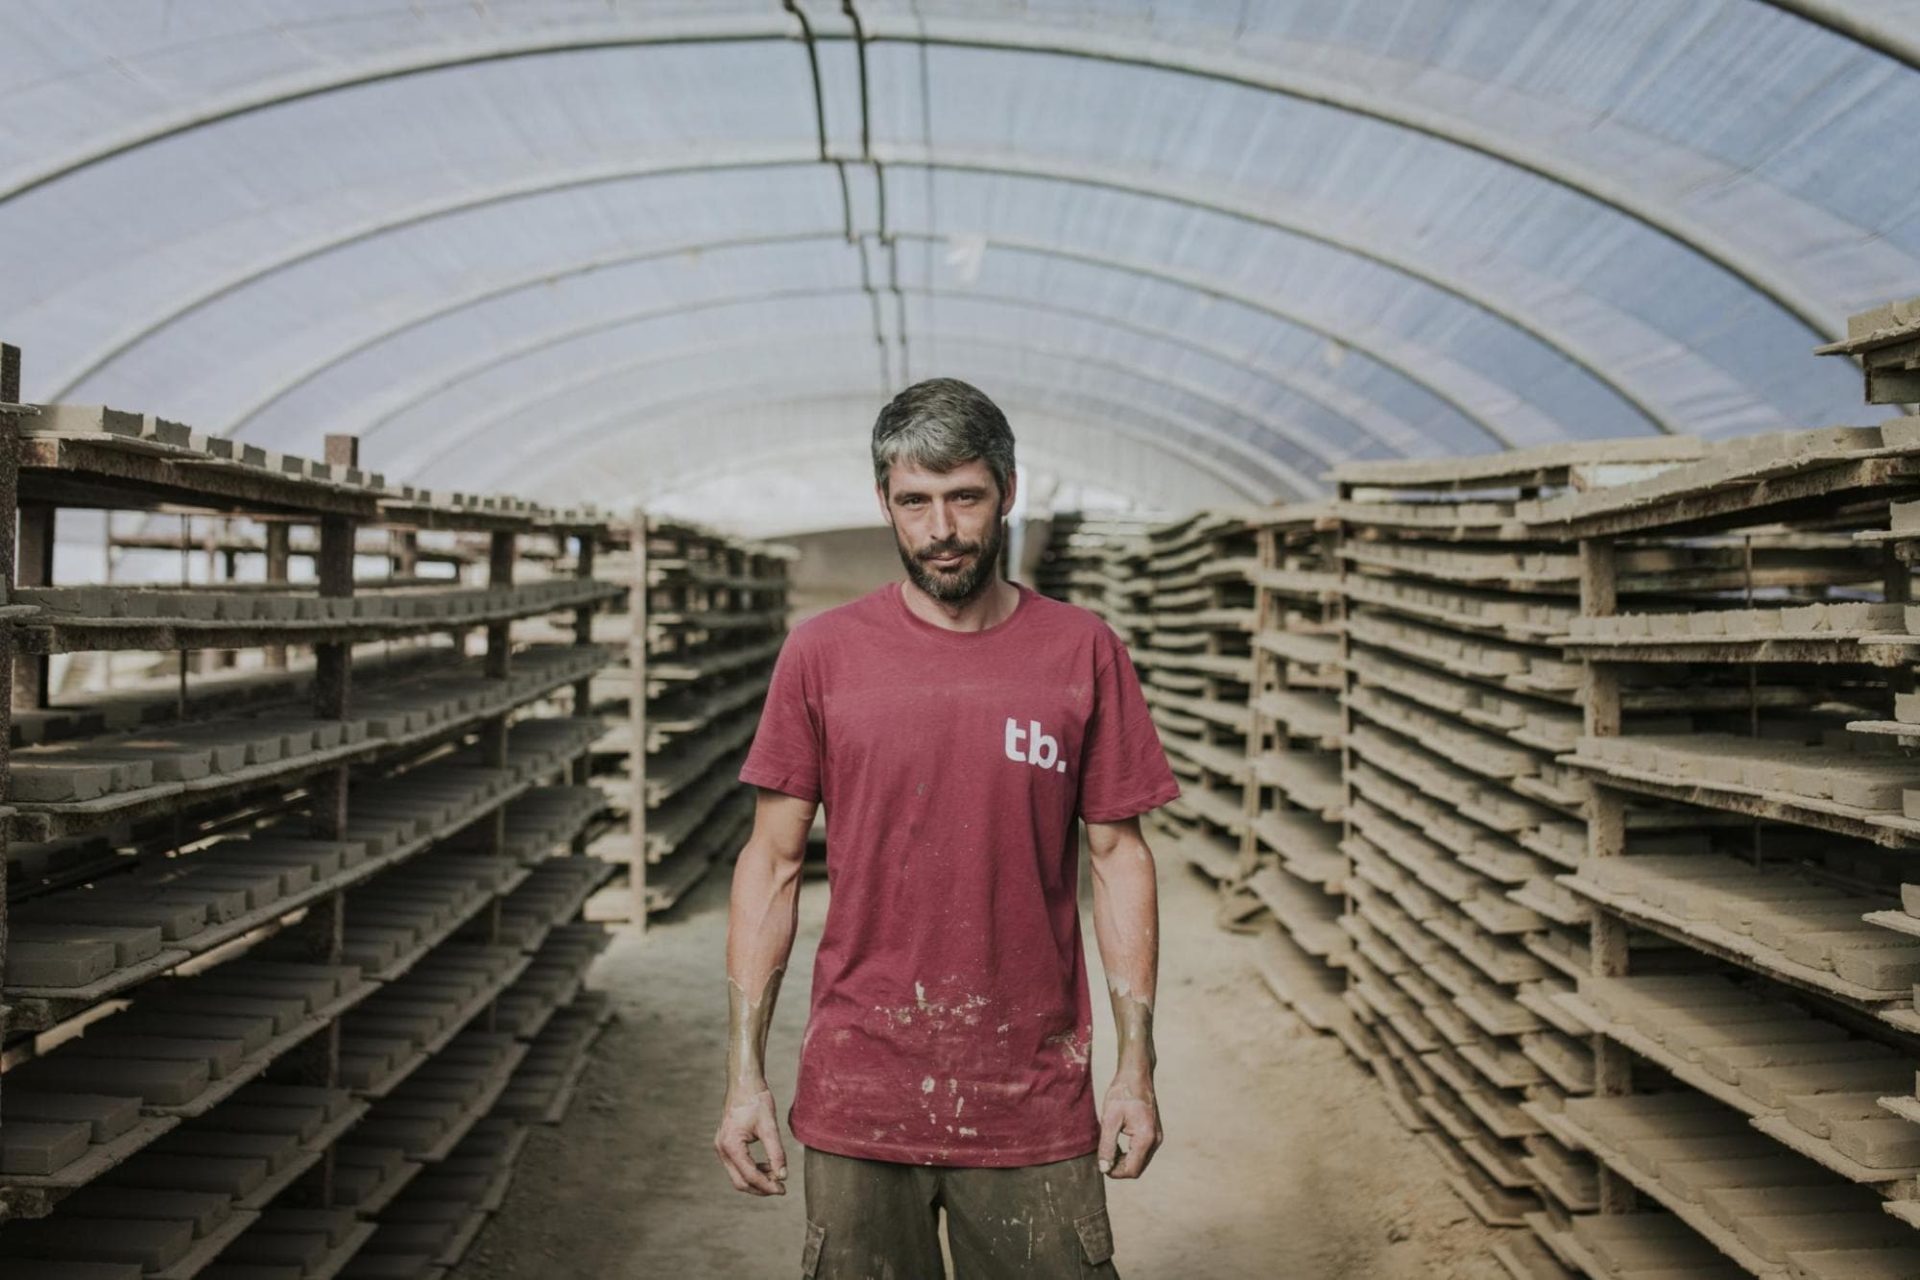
989, 608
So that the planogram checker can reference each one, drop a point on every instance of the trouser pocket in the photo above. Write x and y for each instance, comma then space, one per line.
1096, 1237
810, 1256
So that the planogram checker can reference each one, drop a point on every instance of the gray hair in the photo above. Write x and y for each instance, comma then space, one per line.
941, 424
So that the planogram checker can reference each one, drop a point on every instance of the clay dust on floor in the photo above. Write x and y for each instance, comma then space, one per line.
1282, 1160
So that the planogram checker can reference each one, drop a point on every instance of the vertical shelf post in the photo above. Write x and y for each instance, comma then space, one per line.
1260, 730
501, 549
33, 567
638, 597
1606, 838
323, 930
9, 501
279, 543
581, 773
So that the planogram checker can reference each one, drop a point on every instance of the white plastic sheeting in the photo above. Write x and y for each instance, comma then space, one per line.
607, 249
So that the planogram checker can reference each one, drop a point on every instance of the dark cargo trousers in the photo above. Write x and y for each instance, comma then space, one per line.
874, 1220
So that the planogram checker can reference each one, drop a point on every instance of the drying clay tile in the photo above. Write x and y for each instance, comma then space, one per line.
1881, 969
1869, 789
202, 1210
298, 1123
261, 887
51, 783
1692, 1179
159, 1083
274, 1148
1821, 949
1773, 1237
175, 920
105, 1117
1855, 1264
250, 1033
1772, 1086
131, 943
1629, 1245
57, 964
216, 1174
1816, 1113
1883, 1142
263, 1093
154, 1246
1651, 1154
283, 1012
38, 1148
1727, 1061
1772, 927
1866, 617
1804, 618
222, 1057
1728, 1205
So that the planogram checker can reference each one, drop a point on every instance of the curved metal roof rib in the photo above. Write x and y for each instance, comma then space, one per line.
1166, 418
1342, 235
500, 423
716, 430
1260, 237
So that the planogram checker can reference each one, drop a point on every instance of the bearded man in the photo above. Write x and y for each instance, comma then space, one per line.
957, 728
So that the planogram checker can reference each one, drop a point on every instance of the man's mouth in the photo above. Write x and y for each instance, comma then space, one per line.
946, 559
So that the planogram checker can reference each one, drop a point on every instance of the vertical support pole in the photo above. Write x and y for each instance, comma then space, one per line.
229, 573
1896, 580
1606, 838
638, 649
1332, 547
580, 773
279, 553
324, 929
1259, 728
493, 735
33, 567
9, 504
501, 550
404, 552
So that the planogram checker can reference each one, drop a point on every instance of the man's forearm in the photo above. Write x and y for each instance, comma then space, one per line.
760, 929
1126, 925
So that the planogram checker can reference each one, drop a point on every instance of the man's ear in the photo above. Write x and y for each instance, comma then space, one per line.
1013, 487
886, 508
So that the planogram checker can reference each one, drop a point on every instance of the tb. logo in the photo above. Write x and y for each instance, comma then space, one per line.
1042, 751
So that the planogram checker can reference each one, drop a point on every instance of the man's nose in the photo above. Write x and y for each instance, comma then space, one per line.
943, 526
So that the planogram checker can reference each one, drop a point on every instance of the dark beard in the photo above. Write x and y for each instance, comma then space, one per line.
965, 583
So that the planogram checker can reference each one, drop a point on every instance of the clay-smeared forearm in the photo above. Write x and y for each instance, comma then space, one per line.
762, 917
1126, 925
748, 1020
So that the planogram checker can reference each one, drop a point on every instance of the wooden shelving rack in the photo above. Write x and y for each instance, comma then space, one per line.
282, 934
1196, 668
1291, 860
1099, 563
705, 615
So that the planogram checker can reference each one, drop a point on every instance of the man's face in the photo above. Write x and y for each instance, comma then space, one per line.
948, 526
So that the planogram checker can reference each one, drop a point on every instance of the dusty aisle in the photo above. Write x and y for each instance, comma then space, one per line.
1282, 1162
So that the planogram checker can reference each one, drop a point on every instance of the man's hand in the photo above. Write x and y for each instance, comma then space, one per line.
1129, 1110
746, 1120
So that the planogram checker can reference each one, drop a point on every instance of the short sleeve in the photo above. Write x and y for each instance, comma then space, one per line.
786, 750
1123, 769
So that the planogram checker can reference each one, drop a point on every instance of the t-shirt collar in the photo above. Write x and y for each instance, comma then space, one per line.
1021, 609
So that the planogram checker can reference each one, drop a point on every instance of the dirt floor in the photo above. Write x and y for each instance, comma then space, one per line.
1282, 1161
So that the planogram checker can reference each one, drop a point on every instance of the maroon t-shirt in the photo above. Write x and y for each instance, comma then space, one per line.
951, 1022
